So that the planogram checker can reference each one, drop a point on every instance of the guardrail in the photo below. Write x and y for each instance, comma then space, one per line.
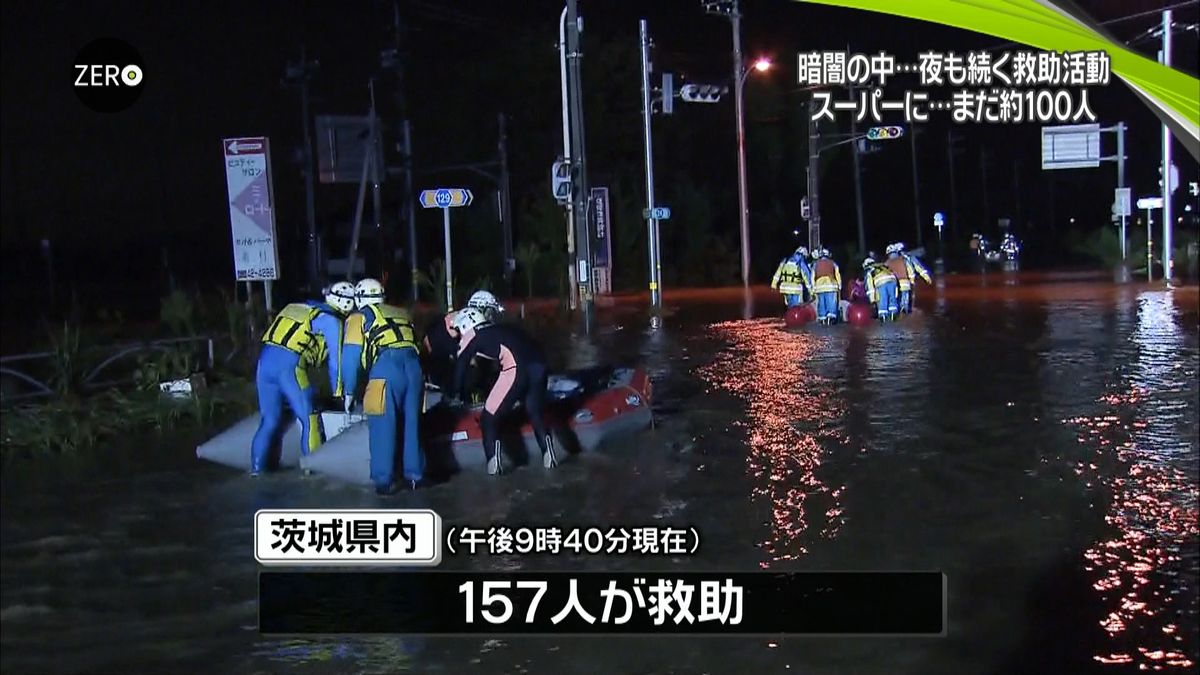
24, 368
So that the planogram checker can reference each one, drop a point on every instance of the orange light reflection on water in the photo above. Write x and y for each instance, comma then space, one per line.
788, 408
1153, 511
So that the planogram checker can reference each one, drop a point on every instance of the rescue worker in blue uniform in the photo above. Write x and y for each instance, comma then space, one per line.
827, 284
881, 289
793, 278
380, 342
522, 378
915, 269
302, 337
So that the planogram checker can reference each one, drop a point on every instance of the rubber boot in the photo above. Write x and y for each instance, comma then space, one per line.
495, 465
549, 456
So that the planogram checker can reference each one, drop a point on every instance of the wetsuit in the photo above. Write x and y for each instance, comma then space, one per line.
522, 378
302, 336
440, 349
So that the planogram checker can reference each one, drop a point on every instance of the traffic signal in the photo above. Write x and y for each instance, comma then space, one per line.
561, 181
1174, 178
701, 93
884, 133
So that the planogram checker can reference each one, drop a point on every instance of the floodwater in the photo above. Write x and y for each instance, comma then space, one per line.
1034, 437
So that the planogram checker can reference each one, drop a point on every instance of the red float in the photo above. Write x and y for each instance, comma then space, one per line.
799, 315
859, 314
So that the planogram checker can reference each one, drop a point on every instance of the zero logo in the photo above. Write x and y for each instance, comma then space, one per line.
108, 75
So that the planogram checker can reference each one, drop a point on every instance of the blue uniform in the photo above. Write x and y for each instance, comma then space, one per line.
380, 342
302, 336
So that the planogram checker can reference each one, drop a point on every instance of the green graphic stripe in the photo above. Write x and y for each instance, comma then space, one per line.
1028, 22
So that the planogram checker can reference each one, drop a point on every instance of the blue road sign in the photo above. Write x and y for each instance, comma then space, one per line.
661, 213
445, 198
939, 220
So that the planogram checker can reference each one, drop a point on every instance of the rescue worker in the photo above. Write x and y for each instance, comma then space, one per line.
441, 346
900, 270
793, 278
522, 378
487, 303
881, 289
827, 285
380, 342
302, 337
915, 269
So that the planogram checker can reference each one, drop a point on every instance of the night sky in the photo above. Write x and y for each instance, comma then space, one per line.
113, 191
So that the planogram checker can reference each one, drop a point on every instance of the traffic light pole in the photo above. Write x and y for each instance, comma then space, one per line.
735, 18
814, 178
651, 222
858, 205
566, 122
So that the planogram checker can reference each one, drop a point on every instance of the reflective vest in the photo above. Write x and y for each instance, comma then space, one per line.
826, 277
789, 278
292, 329
899, 268
391, 328
877, 275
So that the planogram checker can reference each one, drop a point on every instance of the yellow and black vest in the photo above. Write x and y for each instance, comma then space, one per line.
391, 328
292, 329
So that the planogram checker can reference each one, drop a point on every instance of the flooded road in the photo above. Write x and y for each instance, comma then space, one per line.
1033, 437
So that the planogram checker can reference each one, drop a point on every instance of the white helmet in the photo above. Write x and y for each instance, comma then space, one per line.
868, 262
485, 302
899, 247
802, 251
891, 248
823, 253
368, 292
467, 319
340, 296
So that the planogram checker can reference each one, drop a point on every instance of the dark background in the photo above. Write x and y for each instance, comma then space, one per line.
134, 201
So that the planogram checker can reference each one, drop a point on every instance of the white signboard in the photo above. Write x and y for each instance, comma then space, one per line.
317, 537
251, 208
1073, 146
1121, 202
1148, 203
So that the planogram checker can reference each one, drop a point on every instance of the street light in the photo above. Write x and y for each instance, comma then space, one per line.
762, 65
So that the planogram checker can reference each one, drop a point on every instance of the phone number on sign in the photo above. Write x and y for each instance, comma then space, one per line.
256, 273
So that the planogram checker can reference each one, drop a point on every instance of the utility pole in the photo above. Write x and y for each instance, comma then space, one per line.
506, 204
407, 206
858, 205
1017, 194
1166, 161
735, 18
651, 221
299, 73
579, 184
814, 177
912, 137
376, 196
411, 208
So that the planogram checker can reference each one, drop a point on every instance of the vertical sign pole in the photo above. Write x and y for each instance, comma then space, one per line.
412, 210
1121, 180
449, 262
1166, 162
1149, 246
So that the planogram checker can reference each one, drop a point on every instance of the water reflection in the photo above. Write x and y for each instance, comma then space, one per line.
789, 408
1142, 463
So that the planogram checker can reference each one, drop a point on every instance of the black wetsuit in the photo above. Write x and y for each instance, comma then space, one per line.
522, 378
440, 352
